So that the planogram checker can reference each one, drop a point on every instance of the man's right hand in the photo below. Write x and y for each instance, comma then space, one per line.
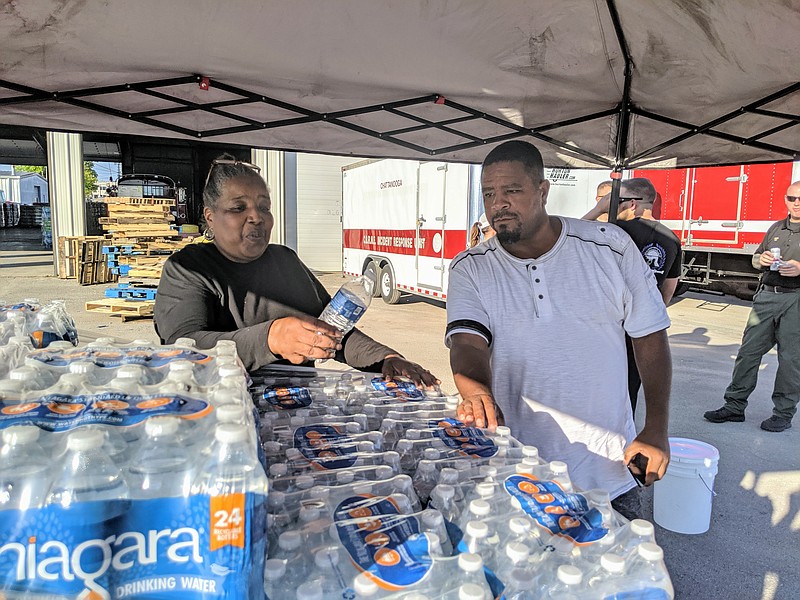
480, 410
766, 259
299, 339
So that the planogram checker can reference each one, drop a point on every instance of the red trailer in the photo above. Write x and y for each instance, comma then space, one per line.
720, 215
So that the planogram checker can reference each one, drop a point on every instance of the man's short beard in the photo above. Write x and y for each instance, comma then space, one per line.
509, 236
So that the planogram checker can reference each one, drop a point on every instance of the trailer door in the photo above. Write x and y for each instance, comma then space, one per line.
715, 205
431, 217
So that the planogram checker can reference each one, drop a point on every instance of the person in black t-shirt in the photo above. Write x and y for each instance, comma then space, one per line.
241, 287
660, 248
774, 319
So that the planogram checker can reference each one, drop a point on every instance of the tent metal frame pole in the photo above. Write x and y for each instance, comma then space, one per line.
624, 115
506, 129
708, 128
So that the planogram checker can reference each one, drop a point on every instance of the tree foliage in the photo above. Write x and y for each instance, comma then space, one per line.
89, 175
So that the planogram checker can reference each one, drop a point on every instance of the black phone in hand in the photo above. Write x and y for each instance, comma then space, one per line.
638, 468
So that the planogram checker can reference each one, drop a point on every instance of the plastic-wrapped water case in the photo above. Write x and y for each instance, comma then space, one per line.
125, 493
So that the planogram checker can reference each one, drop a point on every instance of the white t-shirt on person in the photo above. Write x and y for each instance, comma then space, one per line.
556, 330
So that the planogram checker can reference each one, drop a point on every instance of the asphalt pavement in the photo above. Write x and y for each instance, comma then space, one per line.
752, 548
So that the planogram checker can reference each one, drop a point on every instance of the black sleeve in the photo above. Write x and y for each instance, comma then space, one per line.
184, 301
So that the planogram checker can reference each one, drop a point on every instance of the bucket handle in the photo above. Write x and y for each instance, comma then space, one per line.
713, 493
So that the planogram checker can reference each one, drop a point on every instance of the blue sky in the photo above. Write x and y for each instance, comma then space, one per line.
105, 170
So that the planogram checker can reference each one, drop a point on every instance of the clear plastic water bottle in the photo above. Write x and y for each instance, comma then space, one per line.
520, 585
433, 523
443, 499
31, 378
478, 541
600, 499
349, 303
314, 522
291, 552
631, 535
568, 584
648, 571
518, 531
514, 556
327, 572
310, 590
366, 588
477, 510
470, 591
274, 571
408, 462
162, 468
24, 478
86, 473
470, 571
232, 467
608, 577
425, 479
560, 474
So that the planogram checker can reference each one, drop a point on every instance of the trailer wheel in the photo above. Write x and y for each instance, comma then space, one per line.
373, 271
389, 292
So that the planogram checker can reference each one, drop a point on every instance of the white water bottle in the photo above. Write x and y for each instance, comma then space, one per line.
520, 585
349, 303
24, 469
327, 572
647, 570
608, 578
294, 556
274, 572
162, 468
631, 535
477, 539
517, 556
470, 571
86, 472
425, 479
568, 584
433, 523
232, 467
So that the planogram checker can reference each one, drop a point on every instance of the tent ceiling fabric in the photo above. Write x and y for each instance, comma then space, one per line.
500, 69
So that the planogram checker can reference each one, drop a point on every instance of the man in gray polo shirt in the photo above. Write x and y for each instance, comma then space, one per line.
537, 318
774, 320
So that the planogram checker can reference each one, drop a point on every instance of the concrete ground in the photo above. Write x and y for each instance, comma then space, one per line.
752, 548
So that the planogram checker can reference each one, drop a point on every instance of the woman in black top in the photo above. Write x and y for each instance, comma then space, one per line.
242, 288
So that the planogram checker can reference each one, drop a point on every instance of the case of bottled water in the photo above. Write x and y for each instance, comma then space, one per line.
42, 323
473, 514
130, 471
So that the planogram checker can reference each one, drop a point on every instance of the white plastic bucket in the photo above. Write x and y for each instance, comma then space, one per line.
682, 498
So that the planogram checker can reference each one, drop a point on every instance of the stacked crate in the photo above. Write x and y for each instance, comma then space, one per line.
144, 259
82, 258
139, 219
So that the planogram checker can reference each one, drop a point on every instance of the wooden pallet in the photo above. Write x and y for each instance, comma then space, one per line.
137, 220
82, 258
142, 309
140, 201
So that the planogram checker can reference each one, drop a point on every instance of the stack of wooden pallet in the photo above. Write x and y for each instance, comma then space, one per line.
144, 259
127, 300
139, 219
83, 258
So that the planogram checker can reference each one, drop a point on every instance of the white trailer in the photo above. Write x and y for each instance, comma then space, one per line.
403, 221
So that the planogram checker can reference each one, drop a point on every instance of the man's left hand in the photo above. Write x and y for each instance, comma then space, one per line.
789, 268
655, 449
397, 366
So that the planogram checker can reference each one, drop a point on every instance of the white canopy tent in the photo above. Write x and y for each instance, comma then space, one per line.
606, 83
